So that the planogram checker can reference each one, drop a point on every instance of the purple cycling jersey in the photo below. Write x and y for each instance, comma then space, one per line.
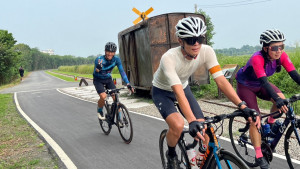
249, 74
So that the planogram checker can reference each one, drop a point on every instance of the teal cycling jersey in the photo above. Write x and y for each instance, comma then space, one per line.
107, 67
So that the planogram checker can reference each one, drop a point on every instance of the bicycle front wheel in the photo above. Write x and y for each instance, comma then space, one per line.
291, 144
228, 160
240, 140
124, 123
180, 151
104, 124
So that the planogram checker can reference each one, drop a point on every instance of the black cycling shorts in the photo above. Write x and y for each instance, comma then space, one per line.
100, 83
164, 101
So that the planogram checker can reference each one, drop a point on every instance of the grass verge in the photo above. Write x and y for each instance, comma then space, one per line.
66, 78
20, 146
14, 82
84, 75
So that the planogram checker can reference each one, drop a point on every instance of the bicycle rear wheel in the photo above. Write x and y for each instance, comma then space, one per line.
291, 145
228, 160
240, 140
124, 123
180, 151
104, 124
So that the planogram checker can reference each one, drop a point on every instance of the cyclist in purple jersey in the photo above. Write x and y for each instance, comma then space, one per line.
102, 74
252, 82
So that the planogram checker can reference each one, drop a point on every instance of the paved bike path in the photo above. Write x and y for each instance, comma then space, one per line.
73, 124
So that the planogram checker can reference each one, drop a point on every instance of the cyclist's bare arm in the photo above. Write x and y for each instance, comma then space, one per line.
228, 90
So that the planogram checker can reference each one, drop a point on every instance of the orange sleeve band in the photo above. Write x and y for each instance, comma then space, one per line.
215, 69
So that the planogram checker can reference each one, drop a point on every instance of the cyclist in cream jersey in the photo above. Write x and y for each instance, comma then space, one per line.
176, 69
170, 83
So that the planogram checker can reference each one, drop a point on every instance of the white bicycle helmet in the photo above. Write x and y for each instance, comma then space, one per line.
111, 47
271, 35
190, 27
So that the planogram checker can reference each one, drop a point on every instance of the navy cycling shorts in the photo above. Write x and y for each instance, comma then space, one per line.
100, 83
164, 101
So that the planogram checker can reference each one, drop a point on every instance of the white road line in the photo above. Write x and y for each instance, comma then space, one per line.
61, 154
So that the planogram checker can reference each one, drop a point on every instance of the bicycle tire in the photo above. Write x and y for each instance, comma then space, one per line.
243, 149
104, 124
124, 123
291, 143
180, 151
228, 160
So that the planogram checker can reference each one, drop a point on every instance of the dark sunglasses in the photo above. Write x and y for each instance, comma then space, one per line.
276, 48
193, 40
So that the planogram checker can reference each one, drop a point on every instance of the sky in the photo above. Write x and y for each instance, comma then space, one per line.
82, 27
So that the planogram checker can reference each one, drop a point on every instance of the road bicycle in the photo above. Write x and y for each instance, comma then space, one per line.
116, 113
214, 157
239, 136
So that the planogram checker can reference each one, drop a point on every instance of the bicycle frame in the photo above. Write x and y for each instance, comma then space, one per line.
213, 146
212, 150
290, 118
113, 107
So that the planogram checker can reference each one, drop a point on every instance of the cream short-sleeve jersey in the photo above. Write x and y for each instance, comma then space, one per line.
174, 68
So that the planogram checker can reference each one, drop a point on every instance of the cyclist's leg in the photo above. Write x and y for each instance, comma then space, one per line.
249, 96
265, 96
99, 86
176, 124
164, 101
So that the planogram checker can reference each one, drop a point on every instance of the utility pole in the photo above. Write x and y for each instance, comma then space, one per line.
196, 8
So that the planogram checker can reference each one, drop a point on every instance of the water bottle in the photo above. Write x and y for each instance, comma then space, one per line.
192, 158
275, 128
266, 129
199, 157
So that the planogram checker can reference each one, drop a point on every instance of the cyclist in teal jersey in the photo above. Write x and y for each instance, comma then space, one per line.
252, 82
102, 74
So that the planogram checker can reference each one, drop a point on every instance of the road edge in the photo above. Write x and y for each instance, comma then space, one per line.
54, 148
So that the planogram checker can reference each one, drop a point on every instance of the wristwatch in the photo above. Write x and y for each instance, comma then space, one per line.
242, 103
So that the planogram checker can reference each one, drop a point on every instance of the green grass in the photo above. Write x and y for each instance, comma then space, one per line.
84, 75
68, 79
20, 146
74, 74
84, 71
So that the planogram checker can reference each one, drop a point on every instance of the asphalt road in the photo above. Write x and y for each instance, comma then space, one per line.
73, 125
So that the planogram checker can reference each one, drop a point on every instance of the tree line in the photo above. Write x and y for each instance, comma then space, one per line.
13, 55
245, 50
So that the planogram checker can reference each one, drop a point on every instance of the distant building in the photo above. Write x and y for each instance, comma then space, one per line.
49, 51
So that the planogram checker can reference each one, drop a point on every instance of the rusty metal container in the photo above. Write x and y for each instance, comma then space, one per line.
142, 46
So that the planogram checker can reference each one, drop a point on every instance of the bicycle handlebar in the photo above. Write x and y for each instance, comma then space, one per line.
278, 114
111, 91
294, 98
218, 118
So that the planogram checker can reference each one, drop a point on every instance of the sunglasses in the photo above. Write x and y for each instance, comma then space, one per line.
193, 40
276, 48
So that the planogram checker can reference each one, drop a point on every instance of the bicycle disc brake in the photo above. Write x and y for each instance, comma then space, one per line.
267, 151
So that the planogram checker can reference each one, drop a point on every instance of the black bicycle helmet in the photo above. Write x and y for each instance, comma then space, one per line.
271, 35
111, 47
